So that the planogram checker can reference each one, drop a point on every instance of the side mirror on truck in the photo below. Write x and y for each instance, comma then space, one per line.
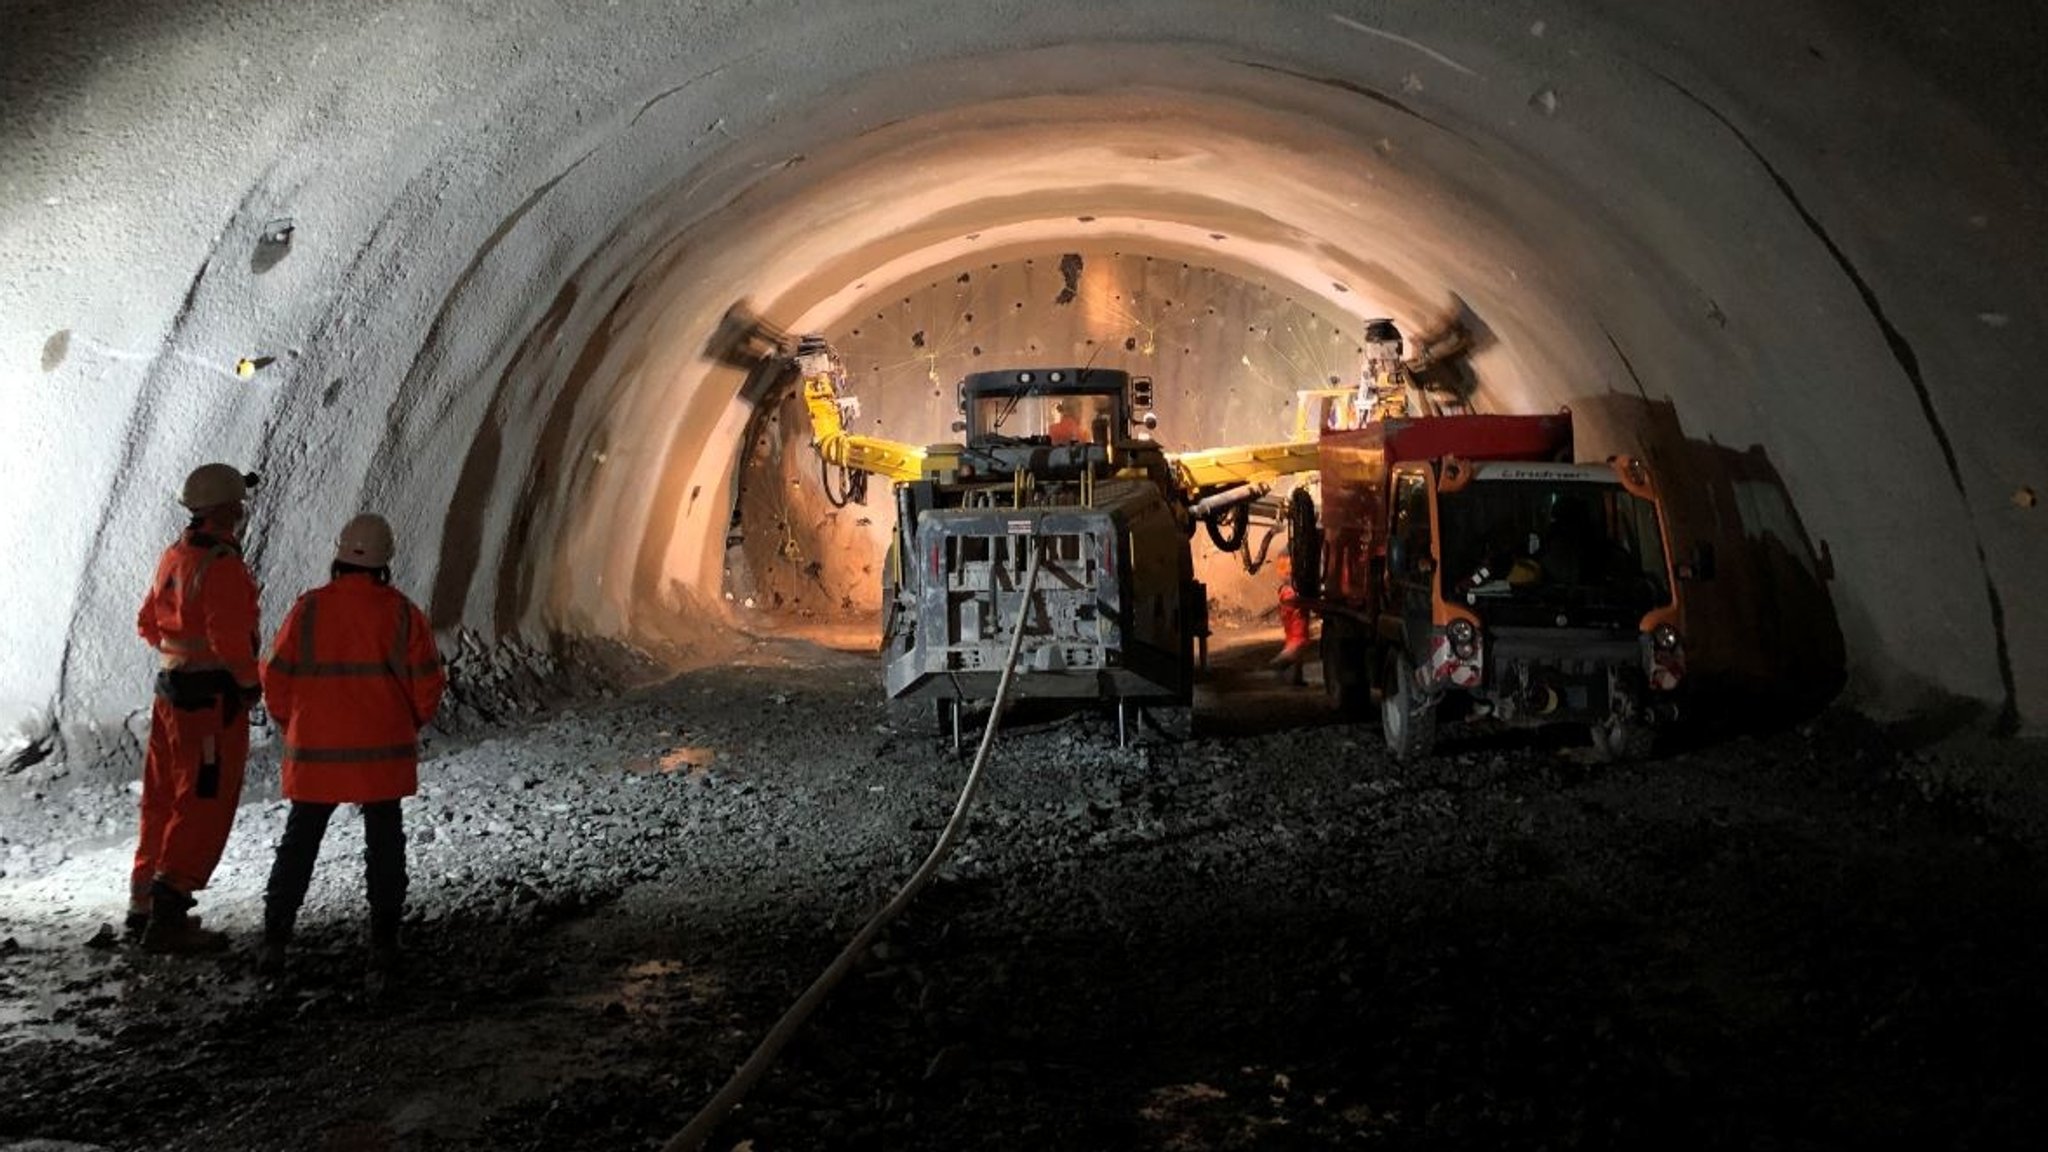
1700, 564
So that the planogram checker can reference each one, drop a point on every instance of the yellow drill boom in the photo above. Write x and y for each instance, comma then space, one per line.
892, 459
1210, 468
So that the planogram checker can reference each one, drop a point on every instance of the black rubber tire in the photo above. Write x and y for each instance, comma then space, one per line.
1304, 544
1408, 725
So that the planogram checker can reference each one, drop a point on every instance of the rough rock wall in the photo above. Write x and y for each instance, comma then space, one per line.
1813, 227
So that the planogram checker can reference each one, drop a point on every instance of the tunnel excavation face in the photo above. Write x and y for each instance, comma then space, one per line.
1226, 355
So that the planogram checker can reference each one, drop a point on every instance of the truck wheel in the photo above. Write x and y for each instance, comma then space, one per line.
1617, 740
1408, 723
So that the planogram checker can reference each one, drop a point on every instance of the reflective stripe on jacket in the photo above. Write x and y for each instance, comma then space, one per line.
352, 678
201, 611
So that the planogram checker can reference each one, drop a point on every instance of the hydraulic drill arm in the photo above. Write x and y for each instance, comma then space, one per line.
890, 459
1212, 468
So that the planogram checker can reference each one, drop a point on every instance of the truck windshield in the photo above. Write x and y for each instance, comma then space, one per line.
1578, 544
1060, 419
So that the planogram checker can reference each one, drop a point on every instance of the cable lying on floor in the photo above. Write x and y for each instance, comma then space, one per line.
699, 1129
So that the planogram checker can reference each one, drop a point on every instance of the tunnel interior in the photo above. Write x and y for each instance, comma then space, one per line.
510, 325
513, 275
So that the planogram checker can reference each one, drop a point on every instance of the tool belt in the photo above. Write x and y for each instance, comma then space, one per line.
197, 691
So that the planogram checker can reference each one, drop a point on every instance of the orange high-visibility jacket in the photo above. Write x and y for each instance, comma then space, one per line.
351, 680
201, 610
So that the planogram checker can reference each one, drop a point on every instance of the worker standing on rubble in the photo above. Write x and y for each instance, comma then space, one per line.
353, 677
201, 617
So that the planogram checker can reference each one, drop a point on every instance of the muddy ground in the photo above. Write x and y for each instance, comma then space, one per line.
1265, 937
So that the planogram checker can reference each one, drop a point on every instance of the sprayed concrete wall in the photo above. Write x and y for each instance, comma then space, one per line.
1809, 230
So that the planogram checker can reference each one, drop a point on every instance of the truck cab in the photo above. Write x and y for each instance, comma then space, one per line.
1462, 586
1055, 406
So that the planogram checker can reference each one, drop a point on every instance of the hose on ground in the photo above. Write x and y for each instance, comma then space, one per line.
700, 1127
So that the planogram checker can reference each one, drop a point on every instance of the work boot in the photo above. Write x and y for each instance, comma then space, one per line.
385, 955
172, 929
385, 958
277, 938
138, 912
382, 973
1288, 664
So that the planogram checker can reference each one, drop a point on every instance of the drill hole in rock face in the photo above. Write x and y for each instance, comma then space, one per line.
55, 349
273, 244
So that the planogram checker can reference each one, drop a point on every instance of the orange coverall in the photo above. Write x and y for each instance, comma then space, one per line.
352, 678
201, 617
1293, 622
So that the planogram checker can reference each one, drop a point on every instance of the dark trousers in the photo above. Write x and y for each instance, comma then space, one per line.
292, 873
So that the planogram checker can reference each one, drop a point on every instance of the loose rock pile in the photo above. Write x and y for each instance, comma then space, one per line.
1265, 936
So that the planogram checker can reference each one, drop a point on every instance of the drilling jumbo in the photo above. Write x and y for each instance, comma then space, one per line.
1056, 462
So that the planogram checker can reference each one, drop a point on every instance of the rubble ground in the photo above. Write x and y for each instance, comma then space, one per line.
1267, 936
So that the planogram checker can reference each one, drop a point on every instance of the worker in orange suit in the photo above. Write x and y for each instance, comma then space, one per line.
201, 617
1294, 626
1067, 427
351, 680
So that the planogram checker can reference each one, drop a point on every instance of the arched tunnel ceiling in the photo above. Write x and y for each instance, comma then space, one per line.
1806, 232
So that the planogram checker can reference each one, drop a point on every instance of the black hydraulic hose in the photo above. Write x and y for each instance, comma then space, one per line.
1254, 559
700, 1127
1240, 517
851, 488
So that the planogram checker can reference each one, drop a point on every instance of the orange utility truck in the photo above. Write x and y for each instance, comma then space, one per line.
1467, 569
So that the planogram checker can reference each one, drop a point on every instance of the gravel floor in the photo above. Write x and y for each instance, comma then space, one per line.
1264, 937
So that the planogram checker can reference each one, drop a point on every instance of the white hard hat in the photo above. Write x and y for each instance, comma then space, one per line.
212, 485
365, 542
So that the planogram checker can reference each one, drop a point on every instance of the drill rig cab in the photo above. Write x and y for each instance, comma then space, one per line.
1047, 466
